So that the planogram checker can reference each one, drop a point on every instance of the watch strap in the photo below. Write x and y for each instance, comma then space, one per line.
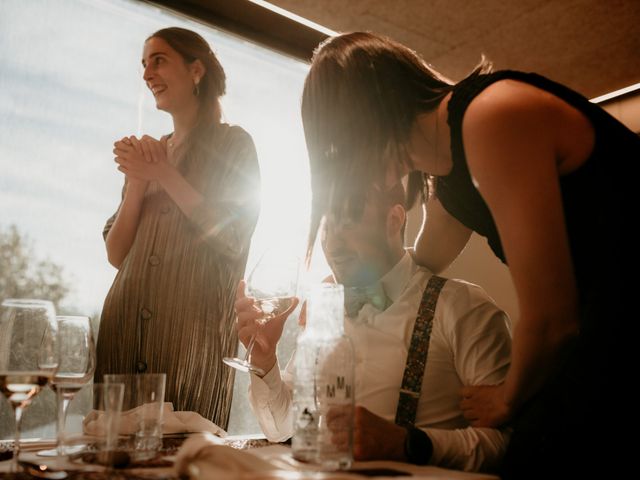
418, 447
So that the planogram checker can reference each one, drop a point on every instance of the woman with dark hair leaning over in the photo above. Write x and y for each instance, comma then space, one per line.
181, 234
546, 177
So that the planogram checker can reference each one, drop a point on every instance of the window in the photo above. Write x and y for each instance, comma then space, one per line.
70, 85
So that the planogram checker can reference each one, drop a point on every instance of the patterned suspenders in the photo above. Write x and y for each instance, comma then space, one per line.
417, 356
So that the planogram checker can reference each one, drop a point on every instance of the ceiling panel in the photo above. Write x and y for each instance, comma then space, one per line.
591, 45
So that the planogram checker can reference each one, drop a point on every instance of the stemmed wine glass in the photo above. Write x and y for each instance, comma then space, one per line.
76, 368
28, 354
273, 283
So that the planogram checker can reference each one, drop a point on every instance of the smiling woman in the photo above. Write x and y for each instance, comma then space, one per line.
60, 112
181, 235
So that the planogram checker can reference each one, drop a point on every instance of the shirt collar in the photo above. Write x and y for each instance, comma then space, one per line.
395, 280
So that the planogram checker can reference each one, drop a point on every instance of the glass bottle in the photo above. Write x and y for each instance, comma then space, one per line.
324, 379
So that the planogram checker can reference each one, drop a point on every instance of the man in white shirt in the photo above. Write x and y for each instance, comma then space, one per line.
470, 345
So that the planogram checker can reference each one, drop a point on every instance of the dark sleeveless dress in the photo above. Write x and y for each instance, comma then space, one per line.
575, 424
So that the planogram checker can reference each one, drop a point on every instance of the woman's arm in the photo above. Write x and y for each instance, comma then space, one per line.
513, 135
121, 233
170, 179
227, 219
441, 238
124, 228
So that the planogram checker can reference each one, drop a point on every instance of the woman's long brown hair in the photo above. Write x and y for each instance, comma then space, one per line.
361, 97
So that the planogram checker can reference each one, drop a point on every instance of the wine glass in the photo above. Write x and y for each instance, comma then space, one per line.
28, 354
273, 283
77, 364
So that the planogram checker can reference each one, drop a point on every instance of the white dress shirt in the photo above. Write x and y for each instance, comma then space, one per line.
470, 345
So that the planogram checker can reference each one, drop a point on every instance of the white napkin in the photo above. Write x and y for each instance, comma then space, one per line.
205, 456
172, 422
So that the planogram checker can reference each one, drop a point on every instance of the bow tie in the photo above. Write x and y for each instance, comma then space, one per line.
356, 297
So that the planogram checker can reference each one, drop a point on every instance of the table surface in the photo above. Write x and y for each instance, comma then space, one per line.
161, 467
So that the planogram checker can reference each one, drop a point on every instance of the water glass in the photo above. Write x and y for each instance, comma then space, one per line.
142, 411
105, 416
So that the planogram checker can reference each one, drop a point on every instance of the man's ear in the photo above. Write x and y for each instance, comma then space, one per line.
395, 220
197, 70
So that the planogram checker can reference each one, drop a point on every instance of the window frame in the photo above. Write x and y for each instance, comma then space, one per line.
253, 21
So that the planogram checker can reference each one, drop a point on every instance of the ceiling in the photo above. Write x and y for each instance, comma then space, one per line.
592, 46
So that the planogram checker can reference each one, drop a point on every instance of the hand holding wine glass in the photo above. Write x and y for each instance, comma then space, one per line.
28, 354
263, 352
272, 286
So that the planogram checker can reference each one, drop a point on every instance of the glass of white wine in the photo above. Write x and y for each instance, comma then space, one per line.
76, 368
28, 355
273, 283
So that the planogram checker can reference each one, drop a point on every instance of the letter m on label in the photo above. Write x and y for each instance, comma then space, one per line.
331, 391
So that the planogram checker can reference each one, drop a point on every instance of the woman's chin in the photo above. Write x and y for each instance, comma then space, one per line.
160, 105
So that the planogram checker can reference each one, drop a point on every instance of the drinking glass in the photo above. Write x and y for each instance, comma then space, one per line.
103, 423
142, 414
28, 354
273, 283
76, 368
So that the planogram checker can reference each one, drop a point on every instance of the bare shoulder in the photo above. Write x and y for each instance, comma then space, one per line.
515, 114
505, 102
505, 124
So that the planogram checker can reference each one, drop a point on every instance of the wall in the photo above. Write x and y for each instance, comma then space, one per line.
476, 264
626, 109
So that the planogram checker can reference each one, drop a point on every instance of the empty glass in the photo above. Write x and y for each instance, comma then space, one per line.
142, 411
103, 422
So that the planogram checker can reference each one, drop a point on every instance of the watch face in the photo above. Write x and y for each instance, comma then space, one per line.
418, 446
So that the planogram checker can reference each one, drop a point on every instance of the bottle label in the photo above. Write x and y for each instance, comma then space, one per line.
334, 380
323, 403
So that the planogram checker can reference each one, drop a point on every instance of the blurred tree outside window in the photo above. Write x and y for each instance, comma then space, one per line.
23, 275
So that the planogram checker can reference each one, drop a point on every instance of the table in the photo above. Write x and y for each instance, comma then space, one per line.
278, 455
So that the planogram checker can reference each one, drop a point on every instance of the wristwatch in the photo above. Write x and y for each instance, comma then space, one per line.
418, 447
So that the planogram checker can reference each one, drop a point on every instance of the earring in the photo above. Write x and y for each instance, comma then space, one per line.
196, 87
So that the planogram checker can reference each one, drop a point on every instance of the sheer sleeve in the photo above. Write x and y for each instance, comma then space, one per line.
229, 212
112, 218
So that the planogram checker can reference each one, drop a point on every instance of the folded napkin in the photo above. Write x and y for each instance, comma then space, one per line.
203, 457
172, 422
